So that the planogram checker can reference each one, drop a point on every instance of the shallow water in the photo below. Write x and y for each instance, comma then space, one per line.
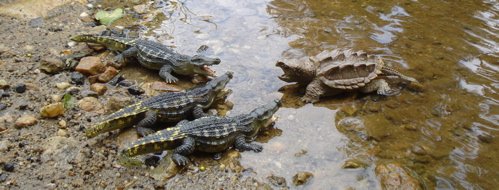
450, 47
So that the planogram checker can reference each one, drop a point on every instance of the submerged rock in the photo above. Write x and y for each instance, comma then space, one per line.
277, 180
25, 121
353, 164
301, 178
394, 176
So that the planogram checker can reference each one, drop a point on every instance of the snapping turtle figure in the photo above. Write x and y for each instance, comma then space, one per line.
333, 72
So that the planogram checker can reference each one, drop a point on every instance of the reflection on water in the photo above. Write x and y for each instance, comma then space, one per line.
446, 135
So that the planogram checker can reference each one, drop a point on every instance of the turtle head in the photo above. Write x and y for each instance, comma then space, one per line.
295, 70
200, 65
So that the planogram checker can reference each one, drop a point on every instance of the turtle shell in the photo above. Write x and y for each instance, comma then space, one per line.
346, 69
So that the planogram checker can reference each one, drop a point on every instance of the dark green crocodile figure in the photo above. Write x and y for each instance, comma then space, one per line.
166, 107
153, 55
207, 134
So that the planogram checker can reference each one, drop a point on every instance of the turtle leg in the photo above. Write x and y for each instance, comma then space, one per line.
314, 91
165, 73
381, 87
130, 52
180, 153
242, 145
142, 125
198, 112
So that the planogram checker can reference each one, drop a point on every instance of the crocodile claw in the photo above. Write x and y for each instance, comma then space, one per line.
180, 160
171, 79
255, 147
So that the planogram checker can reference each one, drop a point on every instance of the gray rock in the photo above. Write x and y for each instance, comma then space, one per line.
277, 180
51, 65
4, 145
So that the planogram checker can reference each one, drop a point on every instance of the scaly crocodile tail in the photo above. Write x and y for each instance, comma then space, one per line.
112, 43
159, 141
125, 117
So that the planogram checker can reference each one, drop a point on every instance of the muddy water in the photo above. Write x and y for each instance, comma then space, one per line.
445, 136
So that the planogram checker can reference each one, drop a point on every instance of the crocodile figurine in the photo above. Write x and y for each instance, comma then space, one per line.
333, 72
153, 55
207, 134
165, 107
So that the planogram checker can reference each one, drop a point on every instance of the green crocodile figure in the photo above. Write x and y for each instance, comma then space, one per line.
166, 107
153, 55
207, 134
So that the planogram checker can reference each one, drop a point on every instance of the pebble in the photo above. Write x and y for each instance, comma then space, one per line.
62, 124
62, 133
71, 44
99, 88
3, 177
20, 88
3, 84
77, 78
108, 74
56, 97
277, 180
4, 145
91, 65
73, 90
62, 85
135, 90
25, 121
353, 164
301, 178
52, 110
90, 104
51, 65
87, 93
9, 167
2, 106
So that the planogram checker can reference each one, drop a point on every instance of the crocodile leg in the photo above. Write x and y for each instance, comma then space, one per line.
242, 145
130, 52
180, 153
198, 112
165, 73
142, 125
381, 87
314, 91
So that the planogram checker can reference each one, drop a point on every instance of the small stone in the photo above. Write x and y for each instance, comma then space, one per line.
135, 90
56, 97
62, 124
87, 93
277, 180
71, 44
52, 110
90, 104
3, 84
9, 167
20, 88
77, 78
62, 133
3, 177
301, 178
485, 138
84, 14
51, 65
419, 150
4, 145
353, 164
62, 85
73, 90
118, 101
90, 66
25, 121
2, 106
93, 79
85, 17
301, 153
395, 176
108, 74
141, 9
99, 88
90, 6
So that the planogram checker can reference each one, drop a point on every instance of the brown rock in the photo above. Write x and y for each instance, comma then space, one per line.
90, 66
52, 110
51, 65
90, 104
93, 79
301, 178
394, 176
5, 120
99, 88
25, 121
108, 74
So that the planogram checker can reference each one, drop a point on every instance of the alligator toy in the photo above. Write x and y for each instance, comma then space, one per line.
153, 55
165, 107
